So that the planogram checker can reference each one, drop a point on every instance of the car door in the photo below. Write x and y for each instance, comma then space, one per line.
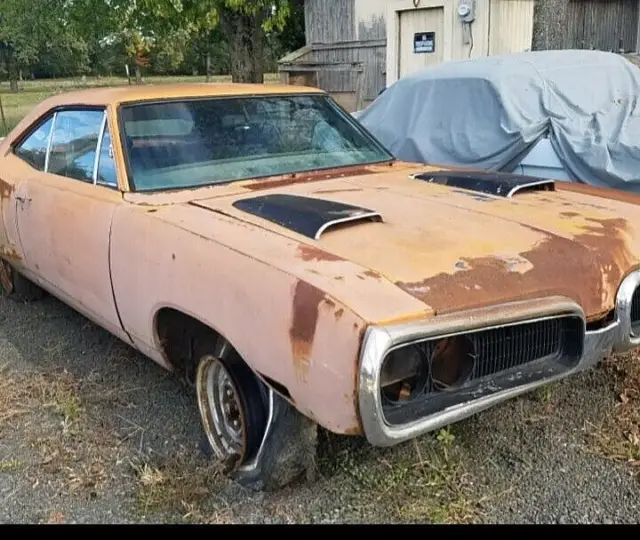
64, 214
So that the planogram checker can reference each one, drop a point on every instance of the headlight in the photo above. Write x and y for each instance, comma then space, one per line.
452, 362
439, 365
404, 374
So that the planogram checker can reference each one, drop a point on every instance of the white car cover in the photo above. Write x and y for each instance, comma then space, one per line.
489, 112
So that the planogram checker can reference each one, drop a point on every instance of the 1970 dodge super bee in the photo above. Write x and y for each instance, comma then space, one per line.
261, 243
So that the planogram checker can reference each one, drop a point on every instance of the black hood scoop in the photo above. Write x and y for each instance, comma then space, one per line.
305, 215
490, 183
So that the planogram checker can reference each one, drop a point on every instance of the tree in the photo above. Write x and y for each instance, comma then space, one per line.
292, 35
244, 25
27, 27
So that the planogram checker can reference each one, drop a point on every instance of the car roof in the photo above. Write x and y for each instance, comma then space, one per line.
151, 92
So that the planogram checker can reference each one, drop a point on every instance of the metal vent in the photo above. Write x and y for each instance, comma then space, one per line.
308, 216
490, 183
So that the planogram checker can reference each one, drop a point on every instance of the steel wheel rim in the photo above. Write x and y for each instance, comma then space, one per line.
221, 410
6, 277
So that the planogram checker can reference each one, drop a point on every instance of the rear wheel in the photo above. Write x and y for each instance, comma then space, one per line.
262, 441
17, 287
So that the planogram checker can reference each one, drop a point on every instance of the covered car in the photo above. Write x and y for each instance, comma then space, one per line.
569, 115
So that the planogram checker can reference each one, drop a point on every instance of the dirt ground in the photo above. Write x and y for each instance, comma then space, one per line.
92, 432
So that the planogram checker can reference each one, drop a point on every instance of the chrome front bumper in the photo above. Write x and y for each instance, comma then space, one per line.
617, 336
626, 340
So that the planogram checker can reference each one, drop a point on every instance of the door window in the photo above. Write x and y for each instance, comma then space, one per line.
74, 144
33, 149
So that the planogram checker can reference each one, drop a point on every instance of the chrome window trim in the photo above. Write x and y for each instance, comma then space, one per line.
379, 340
94, 176
49, 139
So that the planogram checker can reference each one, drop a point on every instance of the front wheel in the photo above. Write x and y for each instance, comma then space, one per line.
232, 409
263, 442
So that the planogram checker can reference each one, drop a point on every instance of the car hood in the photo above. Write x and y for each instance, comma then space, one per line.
452, 248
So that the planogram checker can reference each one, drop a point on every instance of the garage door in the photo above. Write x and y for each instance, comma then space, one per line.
421, 39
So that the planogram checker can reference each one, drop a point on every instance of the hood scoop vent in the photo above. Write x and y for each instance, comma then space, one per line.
490, 183
305, 215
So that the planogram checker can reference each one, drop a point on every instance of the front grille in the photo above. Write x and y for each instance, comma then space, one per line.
635, 311
505, 357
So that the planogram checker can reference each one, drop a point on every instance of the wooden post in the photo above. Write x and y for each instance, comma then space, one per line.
208, 66
4, 120
360, 88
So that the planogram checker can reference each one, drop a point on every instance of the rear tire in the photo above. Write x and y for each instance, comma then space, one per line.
261, 440
17, 287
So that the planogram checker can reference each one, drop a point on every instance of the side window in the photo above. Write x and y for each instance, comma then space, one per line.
34, 148
106, 165
74, 143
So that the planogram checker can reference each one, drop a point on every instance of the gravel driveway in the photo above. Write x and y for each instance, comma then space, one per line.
90, 431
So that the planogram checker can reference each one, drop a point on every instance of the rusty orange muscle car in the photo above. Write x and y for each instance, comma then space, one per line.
261, 243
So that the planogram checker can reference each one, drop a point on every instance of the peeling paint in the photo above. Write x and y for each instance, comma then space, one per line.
10, 253
314, 176
312, 253
304, 318
372, 274
5, 189
598, 258
328, 191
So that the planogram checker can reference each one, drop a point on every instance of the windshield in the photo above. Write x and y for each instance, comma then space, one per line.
185, 144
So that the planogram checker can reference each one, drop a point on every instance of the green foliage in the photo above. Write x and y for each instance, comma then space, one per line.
54, 38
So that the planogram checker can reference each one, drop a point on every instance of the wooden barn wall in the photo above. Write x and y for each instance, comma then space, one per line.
373, 59
329, 21
602, 24
333, 23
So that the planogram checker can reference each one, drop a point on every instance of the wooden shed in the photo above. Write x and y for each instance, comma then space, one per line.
355, 48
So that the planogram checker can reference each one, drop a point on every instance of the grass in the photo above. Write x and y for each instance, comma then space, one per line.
618, 437
43, 418
32, 92
420, 481
180, 486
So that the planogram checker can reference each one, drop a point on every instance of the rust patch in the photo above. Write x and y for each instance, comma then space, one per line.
306, 309
339, 313
5, 189
311, 253
587, 269
372, 274
343, 190
601, 192
569, 214
339, 278
10, 253
313, 176
355, 430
